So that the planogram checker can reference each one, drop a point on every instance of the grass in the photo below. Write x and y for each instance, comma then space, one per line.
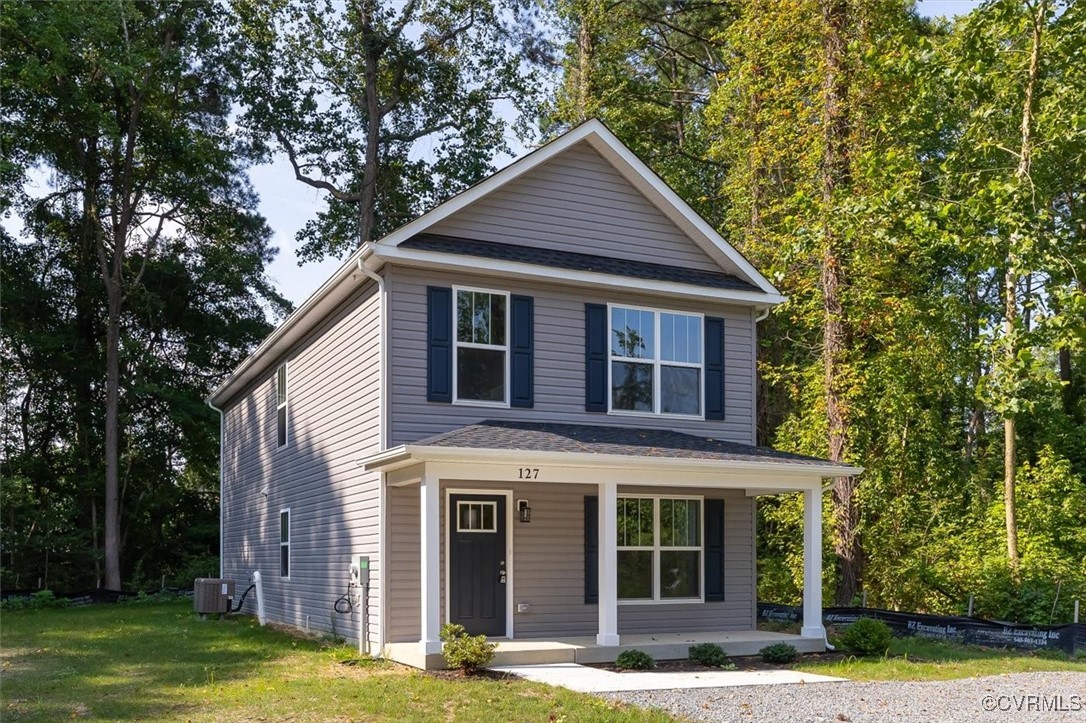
159, 662
924, 659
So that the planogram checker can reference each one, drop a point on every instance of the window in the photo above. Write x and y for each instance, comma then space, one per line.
281, 406
656, 361
481, 347
659, 548
284, 543
476, 517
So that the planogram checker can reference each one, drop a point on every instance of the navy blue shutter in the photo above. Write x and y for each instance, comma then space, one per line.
714, 368
521, 361
591, 549
439, 331
714, 550
595, 358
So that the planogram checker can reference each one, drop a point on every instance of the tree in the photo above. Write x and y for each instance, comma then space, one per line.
126, 106
349, 93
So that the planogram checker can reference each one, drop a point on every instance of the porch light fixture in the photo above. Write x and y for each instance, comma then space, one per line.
524, 510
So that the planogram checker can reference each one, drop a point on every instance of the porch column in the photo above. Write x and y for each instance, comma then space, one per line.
812, 564
429, 533
608, 567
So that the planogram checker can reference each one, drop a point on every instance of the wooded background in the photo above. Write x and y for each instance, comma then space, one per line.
916, 187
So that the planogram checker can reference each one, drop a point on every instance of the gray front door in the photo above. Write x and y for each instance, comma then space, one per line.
477, 565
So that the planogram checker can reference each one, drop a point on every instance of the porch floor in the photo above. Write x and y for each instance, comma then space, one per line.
583, 649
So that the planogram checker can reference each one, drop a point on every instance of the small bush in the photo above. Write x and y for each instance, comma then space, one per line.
867, 636
40, 600
467, 652
710, 654
634, 660
778, 653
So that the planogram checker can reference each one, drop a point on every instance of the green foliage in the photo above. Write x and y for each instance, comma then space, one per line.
634, 659
867, 636
40, 600
710, 654
463, 651
779, 653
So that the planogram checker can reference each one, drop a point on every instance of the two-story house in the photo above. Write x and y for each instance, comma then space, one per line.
533, 410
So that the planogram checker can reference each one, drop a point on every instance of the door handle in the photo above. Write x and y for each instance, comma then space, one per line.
501, 577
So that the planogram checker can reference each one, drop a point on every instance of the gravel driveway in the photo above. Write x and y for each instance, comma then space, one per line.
1014, 698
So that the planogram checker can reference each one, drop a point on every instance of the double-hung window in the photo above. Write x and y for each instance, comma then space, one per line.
659, 548
657, 365
284, 543
482, 351
281, 406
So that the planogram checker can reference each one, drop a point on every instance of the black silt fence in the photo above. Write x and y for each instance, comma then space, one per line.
1070, 638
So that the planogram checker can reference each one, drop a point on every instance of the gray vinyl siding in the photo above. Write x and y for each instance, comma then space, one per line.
559, 361
334, 506
577, 201
548, 566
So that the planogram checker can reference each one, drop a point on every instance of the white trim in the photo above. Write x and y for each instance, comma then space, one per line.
508, 494
284, 405
496, 267
288, 544
607, 569
657, 362
457, 344
382, 562
656, 548
409, 454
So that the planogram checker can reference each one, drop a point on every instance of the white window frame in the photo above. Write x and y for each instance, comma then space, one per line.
290, 561
481, 503
656, 362
657, 548
284, 405
457, 344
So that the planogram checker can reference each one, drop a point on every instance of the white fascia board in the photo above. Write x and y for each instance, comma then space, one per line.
498, 267
411, 453
673, 206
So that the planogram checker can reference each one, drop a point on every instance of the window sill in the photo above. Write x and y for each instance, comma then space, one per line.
669, 601
654, 415
474, 403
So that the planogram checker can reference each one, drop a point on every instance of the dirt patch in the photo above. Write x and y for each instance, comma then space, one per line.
481, 674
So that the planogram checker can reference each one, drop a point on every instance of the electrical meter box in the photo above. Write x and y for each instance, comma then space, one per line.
360, 570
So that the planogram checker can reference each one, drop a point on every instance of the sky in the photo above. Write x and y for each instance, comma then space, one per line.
287, 204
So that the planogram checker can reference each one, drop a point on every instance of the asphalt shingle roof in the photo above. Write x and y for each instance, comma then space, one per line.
593, 439
575, 261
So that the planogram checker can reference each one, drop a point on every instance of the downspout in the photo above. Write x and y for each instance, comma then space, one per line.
762, 314
382, 433
222, 488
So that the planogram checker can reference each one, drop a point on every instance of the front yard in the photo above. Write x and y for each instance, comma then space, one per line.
159, 662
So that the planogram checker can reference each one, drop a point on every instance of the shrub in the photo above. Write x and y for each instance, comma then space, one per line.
779, 653
634, 660
867, 636
710, 654
40, 600
467, 652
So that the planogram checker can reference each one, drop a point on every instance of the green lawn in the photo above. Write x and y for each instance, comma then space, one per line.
920, 659
159, 662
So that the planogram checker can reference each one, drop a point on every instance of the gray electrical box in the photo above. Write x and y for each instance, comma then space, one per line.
360, 570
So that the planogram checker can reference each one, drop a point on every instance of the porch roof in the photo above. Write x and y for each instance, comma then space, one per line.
597, 444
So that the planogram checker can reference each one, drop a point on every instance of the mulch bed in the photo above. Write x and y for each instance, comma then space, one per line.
742, 662
481, 674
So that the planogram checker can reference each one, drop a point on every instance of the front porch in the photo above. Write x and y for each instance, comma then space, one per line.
585, 649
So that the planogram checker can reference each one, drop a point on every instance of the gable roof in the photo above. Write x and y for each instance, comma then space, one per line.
575, 261
632, 168
759, 291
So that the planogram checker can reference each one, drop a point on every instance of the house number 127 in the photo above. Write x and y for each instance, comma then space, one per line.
529, 472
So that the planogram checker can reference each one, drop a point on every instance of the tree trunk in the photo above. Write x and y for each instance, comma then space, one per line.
585, 48
1010, 286
112, 536
835, 336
